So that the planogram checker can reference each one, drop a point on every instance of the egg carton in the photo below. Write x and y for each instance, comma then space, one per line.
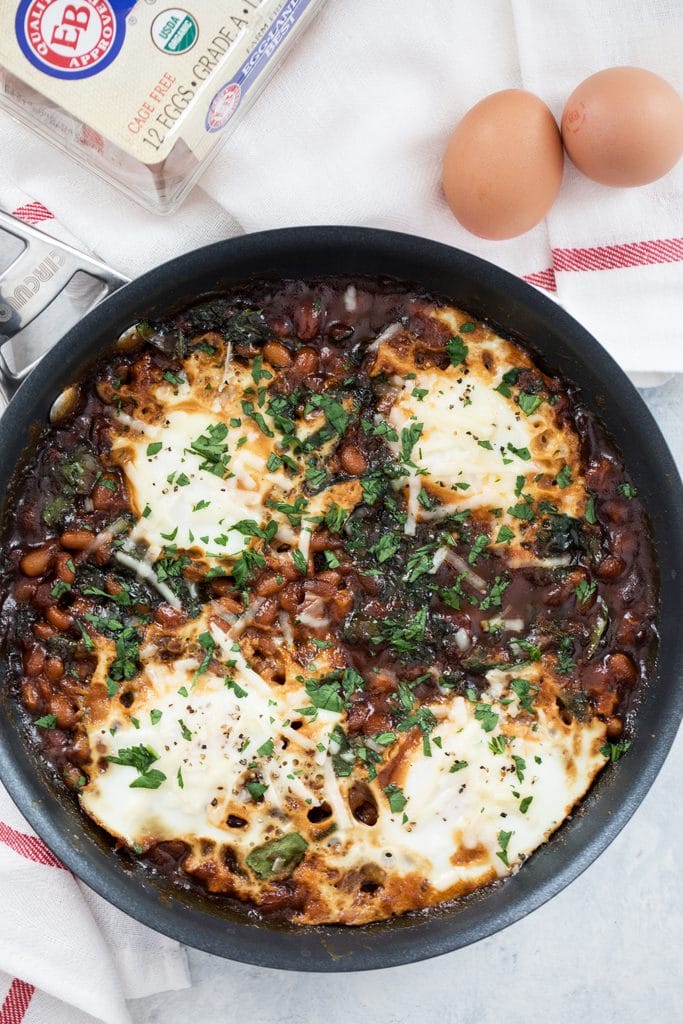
46, 287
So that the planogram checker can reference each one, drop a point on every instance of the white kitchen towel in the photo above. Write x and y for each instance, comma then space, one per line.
351, 130
60, 938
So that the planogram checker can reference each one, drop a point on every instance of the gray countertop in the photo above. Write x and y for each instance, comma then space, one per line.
607, 950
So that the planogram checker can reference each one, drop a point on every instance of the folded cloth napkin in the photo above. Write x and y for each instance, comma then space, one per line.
67, 956
351, 130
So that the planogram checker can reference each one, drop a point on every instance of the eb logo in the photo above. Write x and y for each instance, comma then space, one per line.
71, 38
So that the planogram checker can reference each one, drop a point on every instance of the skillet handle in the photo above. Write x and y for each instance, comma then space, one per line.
41, 274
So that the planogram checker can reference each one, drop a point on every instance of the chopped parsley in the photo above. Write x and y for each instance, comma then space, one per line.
457, 350
395, 796
503, 842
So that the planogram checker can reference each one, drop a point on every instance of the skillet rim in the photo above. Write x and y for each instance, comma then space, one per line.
619, 790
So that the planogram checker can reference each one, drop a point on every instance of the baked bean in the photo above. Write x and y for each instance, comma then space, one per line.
103, 554
615, 511
231, 605
287, 569
169, 617
38, 561
79, 751
268, 612
43, 596
329, 576
352, 459
44, 631
610, 568
34, 659
615, 727
621, 668
606, 703
31, 696
63, 564
24, 591
307, 320
306, 362
104, 499
290, 597
76, 540
320, 587
61, 620
341, 604
63, 711
54, 669
269, 584
321, 540
282, 326
275, 353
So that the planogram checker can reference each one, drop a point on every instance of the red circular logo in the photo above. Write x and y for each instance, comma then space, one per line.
70, 35
223, 106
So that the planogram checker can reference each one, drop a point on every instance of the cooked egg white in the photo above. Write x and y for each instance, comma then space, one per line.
481, 802
452, 814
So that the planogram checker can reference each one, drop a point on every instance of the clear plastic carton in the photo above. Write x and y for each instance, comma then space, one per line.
144, 92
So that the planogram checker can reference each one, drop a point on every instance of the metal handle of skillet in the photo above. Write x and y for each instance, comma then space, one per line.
46, 287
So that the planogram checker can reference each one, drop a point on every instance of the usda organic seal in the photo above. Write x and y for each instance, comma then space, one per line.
174, 31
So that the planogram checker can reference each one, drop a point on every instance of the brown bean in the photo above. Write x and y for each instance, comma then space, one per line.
275, 353
341, 604
307, 319
24, 590
615, 727
268, 612
169, 617
610, 567
269, 584
352, 459
103, 554
61, 620
306, 361
63, 711
103, 498
290, 597
34, 659
38, 561
31, 696
287, 569
63, 568
621, 668
329, 576
54, 669
615, 511
43, 631
79, 751
76, 540
321, 588
43, 596
229, 604
321, 540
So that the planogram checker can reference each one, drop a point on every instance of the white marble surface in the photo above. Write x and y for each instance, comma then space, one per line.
608, 950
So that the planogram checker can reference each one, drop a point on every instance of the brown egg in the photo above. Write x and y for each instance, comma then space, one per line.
624, 126
503, 165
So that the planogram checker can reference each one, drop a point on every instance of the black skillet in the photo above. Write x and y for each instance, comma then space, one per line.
562, 346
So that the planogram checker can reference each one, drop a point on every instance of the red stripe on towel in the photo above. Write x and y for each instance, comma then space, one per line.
613, 257
29, 847
543, 279
14, 1008
33, 213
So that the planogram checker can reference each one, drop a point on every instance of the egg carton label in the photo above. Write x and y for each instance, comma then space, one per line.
145, 75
